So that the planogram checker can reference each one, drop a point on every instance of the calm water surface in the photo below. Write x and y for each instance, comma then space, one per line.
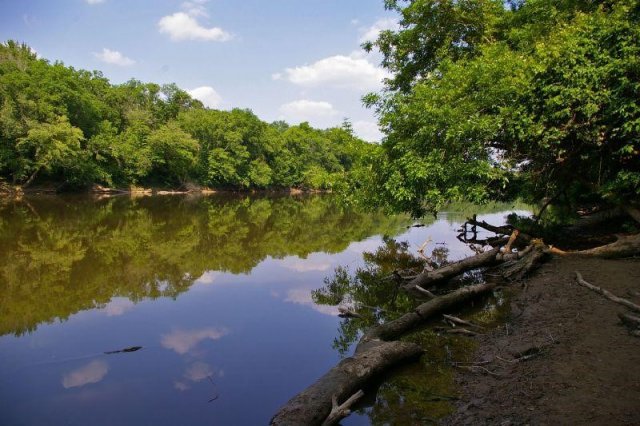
216, 290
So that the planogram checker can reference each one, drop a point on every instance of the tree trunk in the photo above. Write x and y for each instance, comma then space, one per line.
625, 246
313, 405
31, 178
373, 356
395, 329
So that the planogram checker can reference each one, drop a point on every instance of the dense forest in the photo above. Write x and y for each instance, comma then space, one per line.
491, 99
73, 128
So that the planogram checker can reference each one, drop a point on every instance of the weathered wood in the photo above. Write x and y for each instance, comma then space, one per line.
440, 275
373, 356
524, 262
409, 321
340, 411
313, 405
460, 321
624, 246
606, 293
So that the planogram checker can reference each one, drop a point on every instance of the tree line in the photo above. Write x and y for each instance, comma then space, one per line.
74, 128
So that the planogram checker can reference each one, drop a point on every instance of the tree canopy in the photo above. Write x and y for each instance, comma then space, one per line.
74, 128
492, 100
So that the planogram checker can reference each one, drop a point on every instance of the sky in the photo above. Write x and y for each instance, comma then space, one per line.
292, 60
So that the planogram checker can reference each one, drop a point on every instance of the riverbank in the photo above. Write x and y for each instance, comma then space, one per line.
10, 191
587, 366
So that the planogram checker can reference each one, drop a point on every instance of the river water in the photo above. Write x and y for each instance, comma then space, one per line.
215, 290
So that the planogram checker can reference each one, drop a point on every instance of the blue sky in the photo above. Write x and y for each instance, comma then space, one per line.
297, 60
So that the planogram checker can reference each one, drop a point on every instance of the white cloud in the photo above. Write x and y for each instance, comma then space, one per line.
351, 72
294, 263
198, 371
118, 306
306, 110
90, 373
207, 95
181, 386
94, 1
114, 57
182, 341
371, 33
195, 8
182, 26
302, 296
367, 130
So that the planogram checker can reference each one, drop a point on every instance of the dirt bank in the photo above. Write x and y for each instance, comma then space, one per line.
588, 367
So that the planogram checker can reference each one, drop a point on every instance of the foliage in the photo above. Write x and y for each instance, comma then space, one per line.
534, 99
73, 127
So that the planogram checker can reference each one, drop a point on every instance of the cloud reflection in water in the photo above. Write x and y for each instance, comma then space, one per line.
93, 372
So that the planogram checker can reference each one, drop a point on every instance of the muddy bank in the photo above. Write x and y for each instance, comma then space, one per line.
587, 370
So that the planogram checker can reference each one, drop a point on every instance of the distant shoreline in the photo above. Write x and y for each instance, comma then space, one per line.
9, 191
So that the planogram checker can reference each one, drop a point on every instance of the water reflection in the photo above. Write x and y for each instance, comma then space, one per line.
183, 341
93, 372
216, 290
59, 256
420, 393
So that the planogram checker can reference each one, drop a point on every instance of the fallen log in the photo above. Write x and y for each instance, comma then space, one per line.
376, 352
522, 238
313, 405
606, 293
524, 262
440, 275
624, 246
410, 320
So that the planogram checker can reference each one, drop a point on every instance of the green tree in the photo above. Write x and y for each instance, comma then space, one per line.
173, 153
509, 102
50, 146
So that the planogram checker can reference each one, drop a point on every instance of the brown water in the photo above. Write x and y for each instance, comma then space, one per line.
216, 290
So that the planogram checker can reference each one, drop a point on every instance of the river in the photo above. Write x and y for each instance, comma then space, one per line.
216, 292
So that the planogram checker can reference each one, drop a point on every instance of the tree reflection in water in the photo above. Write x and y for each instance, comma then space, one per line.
62, 255
419, 393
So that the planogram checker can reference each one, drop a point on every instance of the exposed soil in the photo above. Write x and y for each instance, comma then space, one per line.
585, 366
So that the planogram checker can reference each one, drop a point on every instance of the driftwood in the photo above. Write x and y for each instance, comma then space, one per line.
624, 246
525, 261
445, 273
378, 349
460, 321
606, 293
376, 352
522, 238
410, 320
313, 405
340, 411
